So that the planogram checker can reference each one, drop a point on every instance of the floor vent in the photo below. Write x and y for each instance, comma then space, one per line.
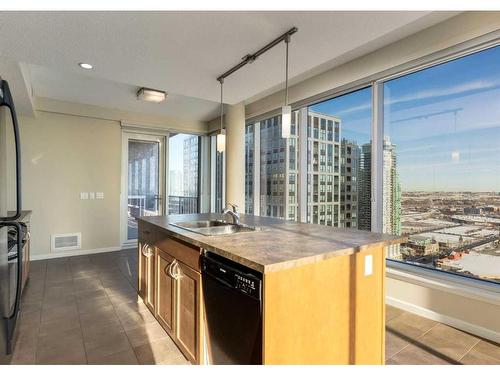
67, 241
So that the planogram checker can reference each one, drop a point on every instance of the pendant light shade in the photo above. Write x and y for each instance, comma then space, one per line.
286, 110
286, 121
221, 141
221, 137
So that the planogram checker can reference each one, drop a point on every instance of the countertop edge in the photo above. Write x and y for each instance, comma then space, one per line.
275, 266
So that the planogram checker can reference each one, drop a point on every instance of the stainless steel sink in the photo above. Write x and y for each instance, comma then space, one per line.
213, 227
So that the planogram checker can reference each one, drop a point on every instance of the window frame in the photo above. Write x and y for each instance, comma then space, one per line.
376, 82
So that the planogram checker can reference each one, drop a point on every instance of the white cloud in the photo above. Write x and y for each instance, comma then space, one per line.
438, 92
427, 94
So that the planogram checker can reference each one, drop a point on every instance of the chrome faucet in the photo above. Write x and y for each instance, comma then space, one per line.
234, 213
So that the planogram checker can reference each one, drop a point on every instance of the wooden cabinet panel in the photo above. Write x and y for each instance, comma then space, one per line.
146, 274
188, 310
165, 292
187, 254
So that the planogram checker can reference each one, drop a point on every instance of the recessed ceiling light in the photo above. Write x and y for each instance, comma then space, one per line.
86, 66
151, 95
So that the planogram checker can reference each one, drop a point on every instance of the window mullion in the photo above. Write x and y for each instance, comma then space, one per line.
302, 175
377, 165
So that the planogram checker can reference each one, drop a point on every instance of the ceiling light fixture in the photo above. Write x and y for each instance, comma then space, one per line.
85, 66
150, 95
221, 137
286, 110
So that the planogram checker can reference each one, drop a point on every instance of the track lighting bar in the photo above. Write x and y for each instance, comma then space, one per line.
250, 58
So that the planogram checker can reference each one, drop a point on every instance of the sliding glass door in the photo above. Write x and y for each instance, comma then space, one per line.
144, 181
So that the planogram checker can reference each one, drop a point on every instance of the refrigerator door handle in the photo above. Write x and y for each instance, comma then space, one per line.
6, 100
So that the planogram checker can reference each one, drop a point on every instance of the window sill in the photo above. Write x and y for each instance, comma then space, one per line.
459, 285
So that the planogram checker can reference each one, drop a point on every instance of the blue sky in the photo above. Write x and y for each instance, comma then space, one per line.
176, 151
445, 122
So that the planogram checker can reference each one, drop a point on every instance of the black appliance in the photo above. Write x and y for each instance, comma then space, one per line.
233, 311
11, 231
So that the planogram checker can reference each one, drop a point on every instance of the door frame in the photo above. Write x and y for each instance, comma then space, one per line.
161, 138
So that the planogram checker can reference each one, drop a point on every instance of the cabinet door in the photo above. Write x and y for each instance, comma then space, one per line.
188, 304
146, 274
165, 292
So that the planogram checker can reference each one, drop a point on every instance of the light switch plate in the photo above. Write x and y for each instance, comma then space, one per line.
368, 265
99, 195
92, 195
84, 195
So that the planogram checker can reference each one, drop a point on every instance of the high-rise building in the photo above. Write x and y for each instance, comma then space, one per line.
349, 169
323, 169
190, 166
338, 172
364, 188
278, 160
392, 191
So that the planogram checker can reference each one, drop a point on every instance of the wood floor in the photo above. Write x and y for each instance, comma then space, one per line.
84, 310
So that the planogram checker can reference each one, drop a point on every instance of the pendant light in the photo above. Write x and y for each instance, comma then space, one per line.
286, 110
221, 137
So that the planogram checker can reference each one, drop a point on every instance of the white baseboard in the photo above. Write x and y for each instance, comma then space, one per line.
445, 319
73, 253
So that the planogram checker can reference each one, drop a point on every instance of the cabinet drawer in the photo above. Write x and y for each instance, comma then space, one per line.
183, 252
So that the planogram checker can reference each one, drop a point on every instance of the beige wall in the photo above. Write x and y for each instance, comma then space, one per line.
473, 311
64, 155
70, 148
235, 155
154, 121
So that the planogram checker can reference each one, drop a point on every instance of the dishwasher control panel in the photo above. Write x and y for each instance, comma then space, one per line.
247, 285
233, 276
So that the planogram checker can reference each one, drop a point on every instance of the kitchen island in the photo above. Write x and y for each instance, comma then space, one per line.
323, 287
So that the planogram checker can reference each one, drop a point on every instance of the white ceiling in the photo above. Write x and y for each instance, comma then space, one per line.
183, 52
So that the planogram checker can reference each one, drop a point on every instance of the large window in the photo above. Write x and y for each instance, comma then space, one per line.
441, 158
336, 168
435, 173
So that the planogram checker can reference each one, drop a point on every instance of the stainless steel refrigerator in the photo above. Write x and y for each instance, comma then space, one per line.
10, 210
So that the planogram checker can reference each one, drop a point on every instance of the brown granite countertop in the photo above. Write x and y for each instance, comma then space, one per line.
279, 244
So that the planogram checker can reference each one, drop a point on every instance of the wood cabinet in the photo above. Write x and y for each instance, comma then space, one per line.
165, 292
146, 274
187, 304
178, 303
170, 285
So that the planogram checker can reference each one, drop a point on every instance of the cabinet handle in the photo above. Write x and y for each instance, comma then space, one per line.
177, 273
28, 235
167, 269
148, 254
169, 272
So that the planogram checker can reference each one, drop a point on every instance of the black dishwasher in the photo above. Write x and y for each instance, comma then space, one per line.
233, 311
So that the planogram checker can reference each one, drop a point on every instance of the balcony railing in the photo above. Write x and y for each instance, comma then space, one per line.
182, 205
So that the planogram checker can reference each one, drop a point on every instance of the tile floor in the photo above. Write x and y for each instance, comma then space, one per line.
413, 340
84, 310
